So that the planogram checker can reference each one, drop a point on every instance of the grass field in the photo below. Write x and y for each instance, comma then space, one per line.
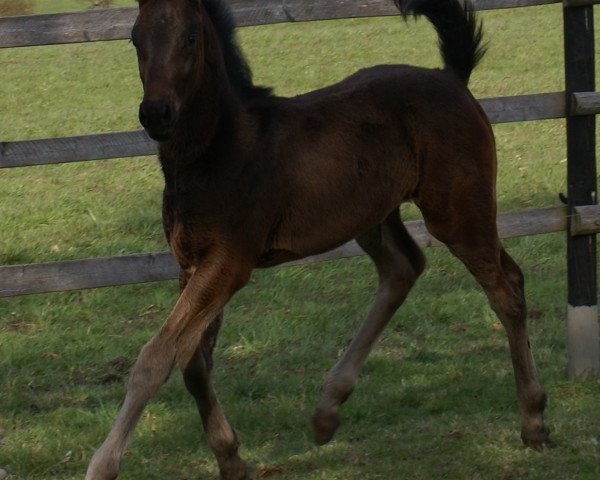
436, 398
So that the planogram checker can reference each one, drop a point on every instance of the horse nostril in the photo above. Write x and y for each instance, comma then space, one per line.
143, 115
156, 113
166, 112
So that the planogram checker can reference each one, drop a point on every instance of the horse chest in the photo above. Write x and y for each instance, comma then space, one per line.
185, 230
180, 245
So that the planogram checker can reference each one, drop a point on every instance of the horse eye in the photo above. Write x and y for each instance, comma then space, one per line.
191, 39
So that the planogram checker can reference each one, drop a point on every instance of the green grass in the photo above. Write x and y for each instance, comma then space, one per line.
436, 398
58, 6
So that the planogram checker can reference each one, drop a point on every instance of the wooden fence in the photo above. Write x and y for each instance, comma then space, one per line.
578, 103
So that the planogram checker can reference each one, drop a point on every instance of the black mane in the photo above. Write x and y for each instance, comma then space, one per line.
237, 67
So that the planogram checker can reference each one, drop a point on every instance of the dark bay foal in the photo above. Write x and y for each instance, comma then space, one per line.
253, 180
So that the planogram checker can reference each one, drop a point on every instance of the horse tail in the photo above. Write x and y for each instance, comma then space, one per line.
460, 33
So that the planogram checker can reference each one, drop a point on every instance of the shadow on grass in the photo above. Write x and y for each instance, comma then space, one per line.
435, 400
407, 419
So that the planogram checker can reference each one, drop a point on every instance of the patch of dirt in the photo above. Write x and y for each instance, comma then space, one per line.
535, 313
267, 471
115, 370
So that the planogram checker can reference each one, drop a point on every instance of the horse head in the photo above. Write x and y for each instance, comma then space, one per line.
169, 37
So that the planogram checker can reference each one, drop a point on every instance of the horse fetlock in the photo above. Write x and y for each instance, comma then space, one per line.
339, 385
102, 467
532, 400
537, 400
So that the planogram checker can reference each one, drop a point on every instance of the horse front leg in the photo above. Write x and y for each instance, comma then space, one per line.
151, 370
209, 288
221, 438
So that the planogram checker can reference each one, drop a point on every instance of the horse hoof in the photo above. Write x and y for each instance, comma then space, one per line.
103, 466
324, 425
235, 470
538, 439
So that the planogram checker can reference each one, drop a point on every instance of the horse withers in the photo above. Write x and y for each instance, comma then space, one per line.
253, 180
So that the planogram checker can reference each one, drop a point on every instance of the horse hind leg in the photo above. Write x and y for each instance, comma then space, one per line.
502, 281
399, 262
531, 396
477, 245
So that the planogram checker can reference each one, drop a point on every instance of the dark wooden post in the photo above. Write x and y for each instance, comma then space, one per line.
582, 319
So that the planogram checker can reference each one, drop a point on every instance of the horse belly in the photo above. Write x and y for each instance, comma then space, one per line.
327, 219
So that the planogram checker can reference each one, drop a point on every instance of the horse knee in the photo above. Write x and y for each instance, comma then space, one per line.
152, 367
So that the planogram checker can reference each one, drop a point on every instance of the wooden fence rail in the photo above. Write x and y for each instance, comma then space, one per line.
519, 108
115, 23
581, 218
149, 267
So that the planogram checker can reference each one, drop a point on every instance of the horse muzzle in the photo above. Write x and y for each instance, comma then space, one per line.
158, 118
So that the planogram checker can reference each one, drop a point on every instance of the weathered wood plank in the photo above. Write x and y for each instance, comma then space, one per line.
585, 220
88, 273
115, 23
519, 223
61, 28
74, 149
579, 3
585, 103
502, 4
149, 267
534, 221
537, 106
263, 12
129, 144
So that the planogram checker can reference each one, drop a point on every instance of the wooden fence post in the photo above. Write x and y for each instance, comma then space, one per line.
582, 318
